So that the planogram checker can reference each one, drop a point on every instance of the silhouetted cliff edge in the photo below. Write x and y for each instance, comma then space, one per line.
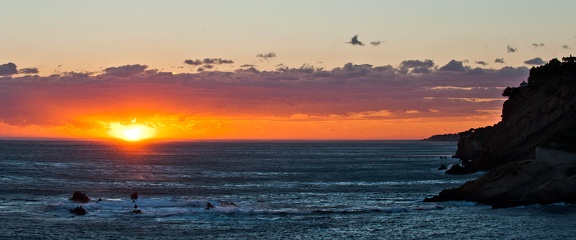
539, 113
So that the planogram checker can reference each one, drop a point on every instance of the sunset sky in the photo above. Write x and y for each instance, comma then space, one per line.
268, 69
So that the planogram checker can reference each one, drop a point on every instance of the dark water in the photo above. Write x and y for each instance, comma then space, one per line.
282, 190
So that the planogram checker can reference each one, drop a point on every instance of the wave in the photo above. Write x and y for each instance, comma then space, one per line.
165, 207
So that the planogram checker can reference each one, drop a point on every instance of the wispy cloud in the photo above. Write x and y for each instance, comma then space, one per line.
481, 63
28, 70
499, 60
510, 49
538, 45
266, 56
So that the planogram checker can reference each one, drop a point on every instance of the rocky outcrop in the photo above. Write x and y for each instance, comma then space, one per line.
533, 113
550, 178
541, 112
80, 197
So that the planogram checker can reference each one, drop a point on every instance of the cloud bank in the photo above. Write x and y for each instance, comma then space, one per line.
416, 89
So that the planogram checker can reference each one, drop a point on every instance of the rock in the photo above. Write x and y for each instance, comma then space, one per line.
79, 211
457, 169
80, 197
442, 167
209, 206
541, 181
137, 211
134, 196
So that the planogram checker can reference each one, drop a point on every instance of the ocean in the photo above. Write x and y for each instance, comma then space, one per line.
259, 190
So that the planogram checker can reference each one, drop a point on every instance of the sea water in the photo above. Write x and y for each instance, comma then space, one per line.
279, 190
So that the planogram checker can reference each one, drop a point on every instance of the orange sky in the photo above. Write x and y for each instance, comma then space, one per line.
350, 102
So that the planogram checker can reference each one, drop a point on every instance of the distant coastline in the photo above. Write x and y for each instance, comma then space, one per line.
449, 137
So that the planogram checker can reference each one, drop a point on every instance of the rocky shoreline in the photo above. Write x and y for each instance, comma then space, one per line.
538, 113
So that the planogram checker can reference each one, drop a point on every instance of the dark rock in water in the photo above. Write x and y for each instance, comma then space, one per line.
458, 170
209, 206
442, 167
80, 197
137, 211
79, 211
134, 196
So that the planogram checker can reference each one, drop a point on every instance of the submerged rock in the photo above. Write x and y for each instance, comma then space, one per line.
134, 196
79, 211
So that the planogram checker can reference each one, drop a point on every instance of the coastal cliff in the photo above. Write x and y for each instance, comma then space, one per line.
539, 113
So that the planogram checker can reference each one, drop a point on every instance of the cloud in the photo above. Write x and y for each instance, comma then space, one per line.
481, 63
125, 71
196, 62
537, 45
86, 101
266, 56
355, 41
28, 70
499, 60
216, 61
535, 61
8, 69
453, 66
376, 43
416, 66
510, 49
566, 47
247, 66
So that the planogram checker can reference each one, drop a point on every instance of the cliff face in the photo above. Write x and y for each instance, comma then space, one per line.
531, 115
539, 113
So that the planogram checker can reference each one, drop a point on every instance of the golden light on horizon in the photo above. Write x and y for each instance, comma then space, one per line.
132, 132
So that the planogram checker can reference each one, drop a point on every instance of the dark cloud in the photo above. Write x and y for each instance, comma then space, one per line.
510, 49
125, 71
481, 63
476, 71
421, 70
248, 66
453, 66
266, 56
499, 60
355, 41
537, 45
566, 47
417, 66
196, 62
8, 69
376, 43
215, 61
535, 61
28, 70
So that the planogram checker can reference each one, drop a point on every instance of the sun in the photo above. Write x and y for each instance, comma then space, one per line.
132, 133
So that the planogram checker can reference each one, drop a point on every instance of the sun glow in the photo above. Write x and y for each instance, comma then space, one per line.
132, 132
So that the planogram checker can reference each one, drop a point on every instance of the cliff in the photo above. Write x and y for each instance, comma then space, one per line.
539, 113
534, 112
